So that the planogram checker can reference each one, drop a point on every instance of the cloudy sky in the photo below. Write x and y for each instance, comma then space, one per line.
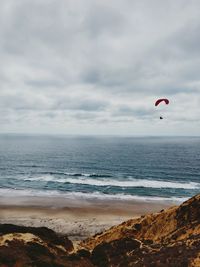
97, 66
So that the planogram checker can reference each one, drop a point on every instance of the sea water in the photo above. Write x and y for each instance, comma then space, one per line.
145, 168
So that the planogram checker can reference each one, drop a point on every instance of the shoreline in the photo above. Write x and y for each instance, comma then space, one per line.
77, 219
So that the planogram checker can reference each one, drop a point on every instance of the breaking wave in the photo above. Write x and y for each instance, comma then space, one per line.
102, 181
13, 193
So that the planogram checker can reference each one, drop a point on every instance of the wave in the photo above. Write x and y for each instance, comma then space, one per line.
74, 174
145, 183
88, 175
13, 193
134, 183
29, 166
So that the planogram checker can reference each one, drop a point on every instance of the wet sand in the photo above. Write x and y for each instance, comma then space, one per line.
74, 217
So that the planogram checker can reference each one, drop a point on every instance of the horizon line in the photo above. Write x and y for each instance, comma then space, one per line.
93, 135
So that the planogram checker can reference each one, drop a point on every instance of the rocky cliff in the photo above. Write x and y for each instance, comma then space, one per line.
169, 238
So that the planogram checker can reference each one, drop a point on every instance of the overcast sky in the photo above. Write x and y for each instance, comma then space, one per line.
97, 66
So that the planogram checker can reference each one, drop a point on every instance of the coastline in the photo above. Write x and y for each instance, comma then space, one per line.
169, 237
77, 218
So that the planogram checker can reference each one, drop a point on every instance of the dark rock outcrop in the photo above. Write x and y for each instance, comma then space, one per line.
46, 234
40, 247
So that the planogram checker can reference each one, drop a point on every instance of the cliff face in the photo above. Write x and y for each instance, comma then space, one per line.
169, 238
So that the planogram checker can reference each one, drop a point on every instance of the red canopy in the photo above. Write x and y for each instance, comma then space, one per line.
162, 100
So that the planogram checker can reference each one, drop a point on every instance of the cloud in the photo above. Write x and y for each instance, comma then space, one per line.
100, 62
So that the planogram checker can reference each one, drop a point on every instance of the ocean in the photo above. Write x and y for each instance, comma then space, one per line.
143, 168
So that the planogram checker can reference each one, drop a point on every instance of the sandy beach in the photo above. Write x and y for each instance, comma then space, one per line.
76, 218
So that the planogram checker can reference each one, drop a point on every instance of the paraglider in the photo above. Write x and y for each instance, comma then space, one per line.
162, 100
165, 100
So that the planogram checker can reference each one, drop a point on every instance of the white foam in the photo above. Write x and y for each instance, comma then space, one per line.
133, 183
115, 182
77, 174
45, 178
13, 193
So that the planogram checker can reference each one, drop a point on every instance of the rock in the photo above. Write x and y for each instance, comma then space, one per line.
114, 252
39, 247
44, 233
167, 238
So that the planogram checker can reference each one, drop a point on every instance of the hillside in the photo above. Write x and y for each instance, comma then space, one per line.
170, 237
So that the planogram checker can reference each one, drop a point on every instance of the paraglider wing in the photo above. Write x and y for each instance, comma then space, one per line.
162, 100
